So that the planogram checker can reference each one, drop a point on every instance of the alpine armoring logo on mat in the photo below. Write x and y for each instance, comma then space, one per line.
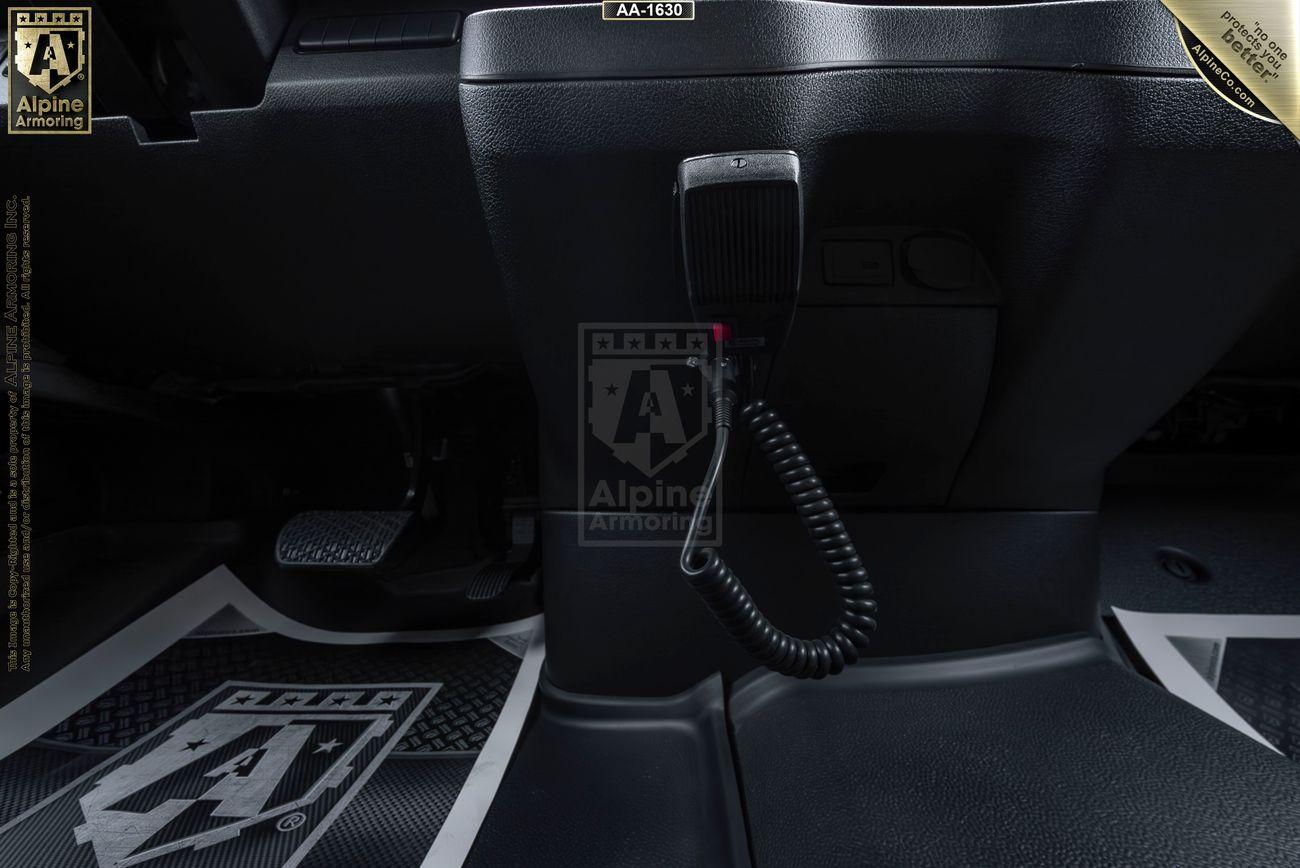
251, 775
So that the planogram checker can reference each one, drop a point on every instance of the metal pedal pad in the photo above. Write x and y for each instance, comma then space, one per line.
490, 581
339, 538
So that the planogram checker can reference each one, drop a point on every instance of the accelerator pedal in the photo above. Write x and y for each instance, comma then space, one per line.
491, 581
520, 559
340, 538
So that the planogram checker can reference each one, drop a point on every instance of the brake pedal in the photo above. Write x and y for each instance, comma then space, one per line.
340, 538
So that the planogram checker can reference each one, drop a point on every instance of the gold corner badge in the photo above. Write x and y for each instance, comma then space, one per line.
1245, 50
49, 70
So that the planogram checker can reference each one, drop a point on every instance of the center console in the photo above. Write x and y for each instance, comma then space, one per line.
997, 228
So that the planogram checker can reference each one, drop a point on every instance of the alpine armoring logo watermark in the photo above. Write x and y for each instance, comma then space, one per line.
644, 428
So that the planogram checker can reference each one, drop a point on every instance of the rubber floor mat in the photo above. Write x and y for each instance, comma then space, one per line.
239, 745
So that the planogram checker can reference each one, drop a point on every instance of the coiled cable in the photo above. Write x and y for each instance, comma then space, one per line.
721, 589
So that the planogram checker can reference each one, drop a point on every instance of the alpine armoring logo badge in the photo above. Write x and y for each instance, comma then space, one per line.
254, 774
644, 408
49, 75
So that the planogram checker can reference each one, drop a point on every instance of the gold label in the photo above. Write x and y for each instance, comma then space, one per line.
49, 75
1245, 50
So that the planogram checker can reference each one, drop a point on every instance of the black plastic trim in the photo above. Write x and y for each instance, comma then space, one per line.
436, 29
932, 670
609, 610
739, 37
639, 781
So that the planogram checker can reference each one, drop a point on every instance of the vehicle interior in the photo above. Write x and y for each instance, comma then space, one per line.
329, 270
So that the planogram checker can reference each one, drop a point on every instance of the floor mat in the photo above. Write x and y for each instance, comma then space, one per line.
1242, 669
239, 744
